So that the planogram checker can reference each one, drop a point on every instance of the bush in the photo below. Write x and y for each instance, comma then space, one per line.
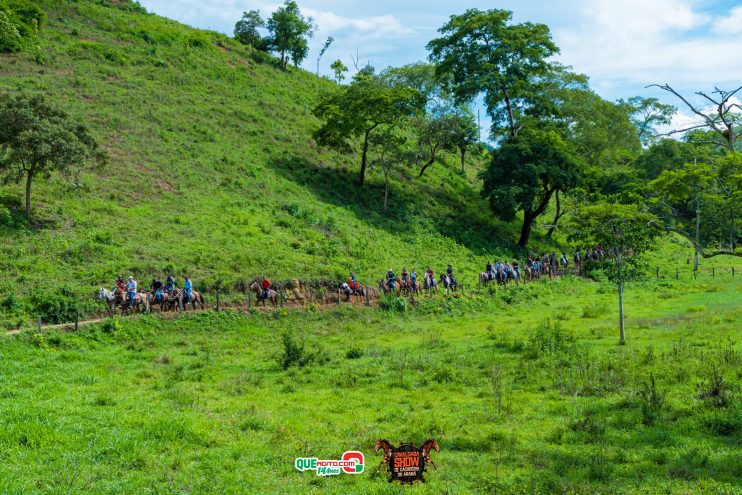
354, 353
549, 339
26, 15
390, 302
55, 307
294, 353
10, 42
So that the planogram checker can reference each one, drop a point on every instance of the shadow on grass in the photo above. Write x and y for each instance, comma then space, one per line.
410, 203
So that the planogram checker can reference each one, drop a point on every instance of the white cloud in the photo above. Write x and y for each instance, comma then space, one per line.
638, 42
731, 24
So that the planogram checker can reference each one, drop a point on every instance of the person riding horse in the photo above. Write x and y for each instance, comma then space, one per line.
449, 275
413, 279
429, 278
390, 278
132, 290
156, 289
188, 288
265, 284
169, 284
488, 271
353, 283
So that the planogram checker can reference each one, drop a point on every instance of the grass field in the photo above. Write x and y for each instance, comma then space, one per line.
526, 391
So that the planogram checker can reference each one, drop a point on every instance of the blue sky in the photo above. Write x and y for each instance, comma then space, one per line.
623, 45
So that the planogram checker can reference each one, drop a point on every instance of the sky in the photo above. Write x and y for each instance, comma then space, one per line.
622, 45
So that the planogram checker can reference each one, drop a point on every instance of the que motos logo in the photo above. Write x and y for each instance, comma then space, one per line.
350, 463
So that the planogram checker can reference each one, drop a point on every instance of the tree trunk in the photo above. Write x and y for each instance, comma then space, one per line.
620, 312
463, 158
425, 167
386, 189
698, 234
556, 217
525, 231
29, 179
511, 120
364, 158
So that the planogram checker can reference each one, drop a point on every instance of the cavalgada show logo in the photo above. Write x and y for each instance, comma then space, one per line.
350, 463
407, 463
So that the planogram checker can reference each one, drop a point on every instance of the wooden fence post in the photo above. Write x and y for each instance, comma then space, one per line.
462, 290
38, 324
677, 274
281, 295
368, 301
338, 296
77, 319
713, 272
695, 274
658, 272
732, 272
218, 301
249, 299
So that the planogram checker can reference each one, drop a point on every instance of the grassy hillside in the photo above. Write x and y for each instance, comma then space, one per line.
213, 170
526, 392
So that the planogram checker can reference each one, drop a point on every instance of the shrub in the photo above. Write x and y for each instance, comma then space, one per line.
111, 325
294, 353
549, 339
55, 307
715, 389
594, 310
651, 401
26, 15
390, 302
10, 42
354, 353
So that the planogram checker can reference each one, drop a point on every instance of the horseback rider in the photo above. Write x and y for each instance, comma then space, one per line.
413, 279
353, 282
516, 268
120, 284
405, 275
169, 283
265, 284
490, 275
188, 288
390, 278
430, 276
564, 260
156, 289
132, 289
449, 274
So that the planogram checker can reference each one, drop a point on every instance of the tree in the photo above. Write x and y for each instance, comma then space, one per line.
289, 31
724, 119
387, 148
479, 52
624, 232
327, 44
37, 139
358, 109
646, 114
339, 68
10, 37
434, 134
464, 133
246, 29
701, 202
526, 171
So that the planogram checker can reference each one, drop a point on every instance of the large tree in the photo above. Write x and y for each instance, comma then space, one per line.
38, 139
647, 114
526, 172
482, 53
289, 31
359, 109
625, 232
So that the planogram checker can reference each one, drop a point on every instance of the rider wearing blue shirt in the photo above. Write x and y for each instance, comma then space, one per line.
188, 287
131, 287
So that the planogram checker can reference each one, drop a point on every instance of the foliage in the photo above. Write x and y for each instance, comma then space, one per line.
10, 37
647, 114
246, 29
359, 109
526, 171
288, 33
339, 69
479, 52
27, 16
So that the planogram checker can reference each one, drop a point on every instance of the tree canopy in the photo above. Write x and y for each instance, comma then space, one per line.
289, 31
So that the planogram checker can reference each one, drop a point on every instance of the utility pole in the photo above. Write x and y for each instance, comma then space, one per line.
698, 232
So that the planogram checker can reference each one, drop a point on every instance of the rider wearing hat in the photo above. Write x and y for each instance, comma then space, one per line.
390, 278
132, 289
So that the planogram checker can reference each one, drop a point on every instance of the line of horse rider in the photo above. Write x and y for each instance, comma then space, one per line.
130, 297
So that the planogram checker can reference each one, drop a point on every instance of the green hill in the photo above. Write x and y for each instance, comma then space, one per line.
213, 170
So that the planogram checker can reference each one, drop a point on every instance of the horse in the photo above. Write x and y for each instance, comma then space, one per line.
272, 295
386, 446
426, 448
429, 282
486, 277
448, 281
384, 286
140, 304
152, 299
196, 299
112, 299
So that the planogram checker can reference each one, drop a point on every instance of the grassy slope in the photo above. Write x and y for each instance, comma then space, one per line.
199, 405
213, 170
